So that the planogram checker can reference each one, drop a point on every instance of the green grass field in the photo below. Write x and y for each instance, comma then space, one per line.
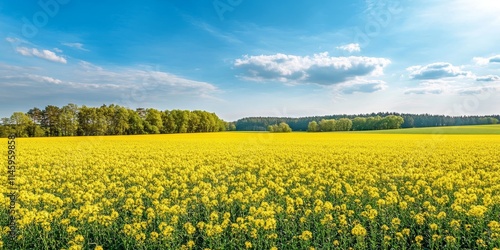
479, 130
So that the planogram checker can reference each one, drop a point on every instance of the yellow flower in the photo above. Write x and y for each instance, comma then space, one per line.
436, 237
306, 235
140, 237
455, 224
98, 248
399, 235
419, 218
396, 222
481, 243
79, 238
190, 229
75, 247
71, 229
441, 215
358, 230
419, 239
450, 239
477, 211
248, 244
214, 216
494, 226
65, 222
434, 226
154, 236
272, 236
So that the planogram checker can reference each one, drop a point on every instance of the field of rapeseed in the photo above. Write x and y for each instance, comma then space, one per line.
256, 191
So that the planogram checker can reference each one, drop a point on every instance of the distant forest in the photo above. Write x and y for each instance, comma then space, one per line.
71, 120
372, 121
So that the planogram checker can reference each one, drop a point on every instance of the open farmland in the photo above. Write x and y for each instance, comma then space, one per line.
458, 130
256, 191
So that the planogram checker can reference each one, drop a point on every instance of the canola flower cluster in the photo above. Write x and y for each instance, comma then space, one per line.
256, 191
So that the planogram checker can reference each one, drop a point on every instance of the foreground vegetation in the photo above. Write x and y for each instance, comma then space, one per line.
256, 191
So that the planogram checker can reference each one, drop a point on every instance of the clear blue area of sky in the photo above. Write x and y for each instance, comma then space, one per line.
242, 58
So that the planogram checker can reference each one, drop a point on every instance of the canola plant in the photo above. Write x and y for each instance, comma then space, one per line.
255, 191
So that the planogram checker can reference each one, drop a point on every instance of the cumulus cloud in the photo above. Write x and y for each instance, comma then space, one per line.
437, 70
361, 86
44, 54
78, 46
488, 78
319, 68
486, 60
352, 47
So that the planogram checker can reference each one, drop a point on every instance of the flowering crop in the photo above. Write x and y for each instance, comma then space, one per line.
256, 191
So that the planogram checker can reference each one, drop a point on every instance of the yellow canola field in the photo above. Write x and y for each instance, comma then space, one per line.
255, 191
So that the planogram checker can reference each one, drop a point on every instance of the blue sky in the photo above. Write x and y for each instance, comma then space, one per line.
242, 58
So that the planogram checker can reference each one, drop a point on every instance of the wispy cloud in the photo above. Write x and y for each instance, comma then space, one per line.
212, 30
77, 46
88, 77
361, 86
352, 47
424, 91
476, 90
43, 54
27, 80
319, 68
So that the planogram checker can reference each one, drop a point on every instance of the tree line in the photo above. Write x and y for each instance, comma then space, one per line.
71, 120
358, 123
372, 121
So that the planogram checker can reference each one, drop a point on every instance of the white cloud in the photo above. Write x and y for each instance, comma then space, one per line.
89, 66
488, 78
45, 79
361, 86
78, 46
44, 54
437, 70
28, 79
486, 60
435, 87
424, 91
476, 90
352, 47
12, 40
319, 68
87, 83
